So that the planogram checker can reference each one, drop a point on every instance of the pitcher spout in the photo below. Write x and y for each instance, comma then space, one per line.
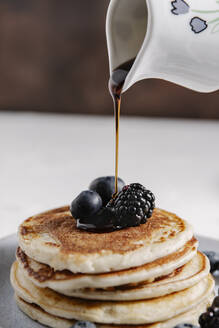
129, 33
166, 40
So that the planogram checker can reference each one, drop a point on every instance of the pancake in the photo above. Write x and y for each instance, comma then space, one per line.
53, 238
38, 314
44, 276
184, 277
130, 312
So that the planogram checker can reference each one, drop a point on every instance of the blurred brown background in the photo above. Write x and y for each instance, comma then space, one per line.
53, 58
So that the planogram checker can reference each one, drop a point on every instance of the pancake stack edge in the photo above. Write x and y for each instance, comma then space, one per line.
162, 279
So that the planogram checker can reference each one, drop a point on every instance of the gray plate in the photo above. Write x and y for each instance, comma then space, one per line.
10, 316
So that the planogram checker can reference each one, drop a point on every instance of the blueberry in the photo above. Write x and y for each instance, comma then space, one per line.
214, 260
84, 324
86, 204
216, 302
105, 187
185, 325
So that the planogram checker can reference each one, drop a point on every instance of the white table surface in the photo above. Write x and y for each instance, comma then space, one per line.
46, 160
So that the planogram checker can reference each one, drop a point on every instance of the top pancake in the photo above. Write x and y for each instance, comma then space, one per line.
53, 238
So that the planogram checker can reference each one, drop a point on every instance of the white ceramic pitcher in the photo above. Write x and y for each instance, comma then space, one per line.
176, 41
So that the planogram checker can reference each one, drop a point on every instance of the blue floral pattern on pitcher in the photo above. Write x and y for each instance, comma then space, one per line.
197, 24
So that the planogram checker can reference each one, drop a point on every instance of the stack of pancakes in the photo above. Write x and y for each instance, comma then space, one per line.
146, 276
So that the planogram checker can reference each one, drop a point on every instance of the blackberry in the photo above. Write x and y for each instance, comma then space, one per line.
214, 261
132, 206
210, 319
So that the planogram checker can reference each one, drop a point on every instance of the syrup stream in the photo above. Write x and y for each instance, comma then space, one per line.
102, 222
117, 106
116, 82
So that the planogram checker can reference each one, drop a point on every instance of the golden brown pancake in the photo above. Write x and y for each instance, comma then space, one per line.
45, 276
53, 238
181, 278
129, 312
37, 313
